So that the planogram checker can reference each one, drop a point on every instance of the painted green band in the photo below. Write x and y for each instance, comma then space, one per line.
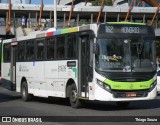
9, 72
69, 30
129, 85
126, 23
75, 71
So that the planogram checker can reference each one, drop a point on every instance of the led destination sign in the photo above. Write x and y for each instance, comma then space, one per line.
130, 29
125, 29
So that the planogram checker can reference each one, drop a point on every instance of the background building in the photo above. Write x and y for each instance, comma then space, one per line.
20, 1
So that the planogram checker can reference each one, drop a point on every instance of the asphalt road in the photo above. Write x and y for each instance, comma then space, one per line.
12, 105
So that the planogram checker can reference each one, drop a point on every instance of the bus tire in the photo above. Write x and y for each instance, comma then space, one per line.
122, 104
24, 92
73, 98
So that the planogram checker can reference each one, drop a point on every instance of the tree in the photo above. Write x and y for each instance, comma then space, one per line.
98, 2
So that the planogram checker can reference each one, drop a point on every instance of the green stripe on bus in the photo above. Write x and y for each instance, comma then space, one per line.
9, 72
75, 71
129, 85
69, 30
126, 23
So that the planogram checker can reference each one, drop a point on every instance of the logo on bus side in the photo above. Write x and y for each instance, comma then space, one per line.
23, 68
62, 68
131, 86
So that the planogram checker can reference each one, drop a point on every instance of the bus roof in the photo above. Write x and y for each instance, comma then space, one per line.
52, 31
131, 23
49, 32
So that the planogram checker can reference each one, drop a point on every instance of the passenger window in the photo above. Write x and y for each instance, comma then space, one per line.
60, 47
21, 51
71, 47
7, 52
50, 48
40, 49
30, 50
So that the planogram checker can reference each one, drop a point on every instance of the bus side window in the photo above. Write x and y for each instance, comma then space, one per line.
40, 49
71, 46
7, 52
30, 50
21, 51
50, 48
60, 47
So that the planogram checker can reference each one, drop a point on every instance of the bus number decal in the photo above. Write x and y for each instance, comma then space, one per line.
109, 29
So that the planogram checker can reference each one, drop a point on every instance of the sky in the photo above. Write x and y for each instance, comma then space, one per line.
45, 1
35, 1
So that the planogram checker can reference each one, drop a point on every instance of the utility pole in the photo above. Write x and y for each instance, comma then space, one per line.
100, 11
59, 2
40, 15
9, 18
129, 9
55, 14
155, 15
71, 10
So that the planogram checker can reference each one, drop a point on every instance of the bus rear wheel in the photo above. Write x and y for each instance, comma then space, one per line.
122, 104
73, 97
24, 92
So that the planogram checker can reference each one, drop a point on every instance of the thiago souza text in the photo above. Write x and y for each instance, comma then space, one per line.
146, 120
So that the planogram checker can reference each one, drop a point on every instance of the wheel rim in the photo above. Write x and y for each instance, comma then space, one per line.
73, 95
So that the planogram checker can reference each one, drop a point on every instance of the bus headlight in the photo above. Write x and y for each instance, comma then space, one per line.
153, 85
104, 85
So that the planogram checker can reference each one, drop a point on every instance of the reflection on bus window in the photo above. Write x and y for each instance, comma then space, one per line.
125, 55
21, 51
71, 48
7, 53
50, 48
60, 47
30, 50
40, 49
109, 54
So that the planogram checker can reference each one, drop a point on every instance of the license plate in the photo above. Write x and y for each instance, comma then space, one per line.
131, 94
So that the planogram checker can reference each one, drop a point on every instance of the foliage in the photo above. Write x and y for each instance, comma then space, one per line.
98, 2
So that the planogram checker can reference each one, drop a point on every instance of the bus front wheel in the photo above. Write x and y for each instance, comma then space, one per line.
24, 92
73, 97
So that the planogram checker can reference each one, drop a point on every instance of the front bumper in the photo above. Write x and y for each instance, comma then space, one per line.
103, 95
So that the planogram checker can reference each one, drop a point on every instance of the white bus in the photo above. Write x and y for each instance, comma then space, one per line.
158, 78
114, 61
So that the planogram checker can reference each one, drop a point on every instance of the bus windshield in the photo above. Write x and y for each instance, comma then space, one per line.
125, 55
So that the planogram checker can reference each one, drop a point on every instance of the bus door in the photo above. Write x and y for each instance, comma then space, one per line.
0, 53
13, 65
83, 65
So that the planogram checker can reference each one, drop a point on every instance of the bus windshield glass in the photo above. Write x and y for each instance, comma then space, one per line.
125, 55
